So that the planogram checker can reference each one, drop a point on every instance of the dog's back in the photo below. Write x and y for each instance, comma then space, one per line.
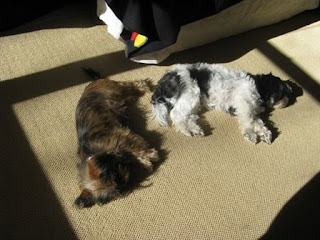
98, 112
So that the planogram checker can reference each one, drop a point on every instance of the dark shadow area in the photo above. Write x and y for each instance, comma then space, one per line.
204, 124
29, 206
300, 217
238, 45
303, 79
140, 178
42, 83
17, 13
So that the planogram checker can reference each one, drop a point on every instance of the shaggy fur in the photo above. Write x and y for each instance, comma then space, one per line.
108, 149
186, 88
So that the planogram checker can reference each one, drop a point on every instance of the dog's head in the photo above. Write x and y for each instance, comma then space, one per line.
274, 92
102, 176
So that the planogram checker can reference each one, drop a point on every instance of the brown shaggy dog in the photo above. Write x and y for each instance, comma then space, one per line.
108, 149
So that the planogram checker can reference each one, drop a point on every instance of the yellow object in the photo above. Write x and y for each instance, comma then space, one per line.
140, 40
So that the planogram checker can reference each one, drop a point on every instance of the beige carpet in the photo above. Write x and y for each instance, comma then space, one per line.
216, 187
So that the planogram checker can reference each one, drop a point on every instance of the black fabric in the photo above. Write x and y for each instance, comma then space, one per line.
15, 13
160, 20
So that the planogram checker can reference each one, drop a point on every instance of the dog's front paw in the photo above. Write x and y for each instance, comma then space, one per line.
194, 132
250, 136
194, 129
85, 200
197, 132
265, 135
184, 131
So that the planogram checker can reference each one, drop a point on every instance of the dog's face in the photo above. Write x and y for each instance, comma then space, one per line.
102, 176
274, 92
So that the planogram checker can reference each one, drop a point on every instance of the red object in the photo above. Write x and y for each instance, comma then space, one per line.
133, 36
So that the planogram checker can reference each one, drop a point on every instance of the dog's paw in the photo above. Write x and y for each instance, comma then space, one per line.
197, 132
144, 85
153, 155
194, 129
250, 136
194, 132
82, 202
265, 135
147, 157
185, 132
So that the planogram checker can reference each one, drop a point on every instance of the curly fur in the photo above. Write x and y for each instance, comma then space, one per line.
186, 88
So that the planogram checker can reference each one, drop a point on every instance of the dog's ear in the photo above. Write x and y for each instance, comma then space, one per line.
93, 170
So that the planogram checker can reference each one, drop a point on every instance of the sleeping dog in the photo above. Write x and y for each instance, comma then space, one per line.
109, 150
186, 88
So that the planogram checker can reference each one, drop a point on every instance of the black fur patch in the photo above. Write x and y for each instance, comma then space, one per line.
113, 167
168, 86
202, 77
271, 87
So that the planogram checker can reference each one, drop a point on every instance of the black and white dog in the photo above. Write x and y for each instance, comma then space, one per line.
186, 88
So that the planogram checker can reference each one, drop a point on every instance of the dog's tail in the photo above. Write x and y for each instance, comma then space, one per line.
92, 73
